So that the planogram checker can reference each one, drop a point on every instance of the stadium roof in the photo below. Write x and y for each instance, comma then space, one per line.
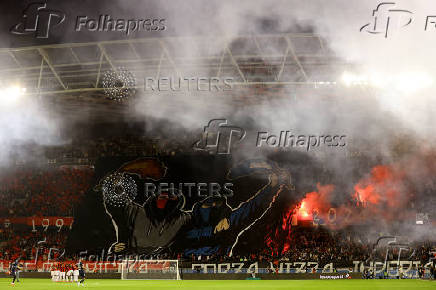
72, 72
78, 67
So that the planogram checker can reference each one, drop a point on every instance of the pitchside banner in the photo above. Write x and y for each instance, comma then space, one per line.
233, 267
305, 267
241, 267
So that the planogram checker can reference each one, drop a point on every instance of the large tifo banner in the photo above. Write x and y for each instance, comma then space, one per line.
392, 267
189, 208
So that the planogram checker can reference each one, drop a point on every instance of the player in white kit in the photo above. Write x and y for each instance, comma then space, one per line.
70, 275
57, 273
76, 274
52, 273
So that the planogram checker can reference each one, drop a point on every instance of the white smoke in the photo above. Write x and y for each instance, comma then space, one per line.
400, 68
397, 65
25, 126
397, 74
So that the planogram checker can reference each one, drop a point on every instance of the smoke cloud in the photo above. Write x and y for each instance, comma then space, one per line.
384, 103
26, 125
388, 120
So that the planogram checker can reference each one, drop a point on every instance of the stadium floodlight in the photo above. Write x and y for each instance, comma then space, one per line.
347, 78
412, 81
407, 82
350, 79
11, 95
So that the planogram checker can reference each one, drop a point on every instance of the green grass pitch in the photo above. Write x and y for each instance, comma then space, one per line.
43, 284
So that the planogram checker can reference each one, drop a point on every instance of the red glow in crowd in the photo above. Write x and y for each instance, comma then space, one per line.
317, 202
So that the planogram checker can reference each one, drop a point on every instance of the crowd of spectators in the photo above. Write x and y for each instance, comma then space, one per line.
46, 192
89, 151
324, 247
53, 191
308, 246
38, 192
32, 245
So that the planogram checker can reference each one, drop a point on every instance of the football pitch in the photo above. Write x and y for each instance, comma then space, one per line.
42, 284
